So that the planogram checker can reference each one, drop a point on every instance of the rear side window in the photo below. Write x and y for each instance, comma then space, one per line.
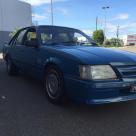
20, 37
31, 36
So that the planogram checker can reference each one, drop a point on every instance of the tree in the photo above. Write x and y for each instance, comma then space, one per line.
107, 43
98, 36
116, 42
113, 42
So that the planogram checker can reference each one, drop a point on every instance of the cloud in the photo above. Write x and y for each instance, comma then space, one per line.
111, 27
63, 11
47, 10
124, 29
129, 25
39, 17
44, 14
87, 31
122, 16
40, 2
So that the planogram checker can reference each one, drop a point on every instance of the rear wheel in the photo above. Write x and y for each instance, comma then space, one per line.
11, 68
54, 85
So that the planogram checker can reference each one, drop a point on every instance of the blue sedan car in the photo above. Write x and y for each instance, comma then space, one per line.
70, 64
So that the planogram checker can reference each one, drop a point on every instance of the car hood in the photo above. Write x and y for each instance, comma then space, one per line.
98, 55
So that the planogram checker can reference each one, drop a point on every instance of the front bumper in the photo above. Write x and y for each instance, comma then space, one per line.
111, 100
99, 92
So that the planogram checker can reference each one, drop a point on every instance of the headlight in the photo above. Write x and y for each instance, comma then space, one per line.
97, 72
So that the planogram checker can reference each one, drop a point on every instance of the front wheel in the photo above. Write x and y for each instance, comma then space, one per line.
54, 85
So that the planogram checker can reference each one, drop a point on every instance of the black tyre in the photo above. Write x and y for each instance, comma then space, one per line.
11, 68
54, 85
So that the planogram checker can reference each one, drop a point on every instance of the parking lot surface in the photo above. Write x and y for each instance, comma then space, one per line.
25, 111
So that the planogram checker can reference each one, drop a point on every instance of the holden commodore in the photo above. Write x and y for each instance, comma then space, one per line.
71, 64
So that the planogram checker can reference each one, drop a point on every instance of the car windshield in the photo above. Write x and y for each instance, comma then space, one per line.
65, 36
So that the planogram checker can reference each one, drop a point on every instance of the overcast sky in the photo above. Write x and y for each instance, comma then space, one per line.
81, 14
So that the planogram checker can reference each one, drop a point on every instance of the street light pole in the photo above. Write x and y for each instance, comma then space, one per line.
118, 27
96, 23
105, 23
52, 14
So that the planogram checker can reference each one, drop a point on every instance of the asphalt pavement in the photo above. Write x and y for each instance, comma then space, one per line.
25, 111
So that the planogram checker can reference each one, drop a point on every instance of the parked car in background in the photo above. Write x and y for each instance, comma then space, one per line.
70, 64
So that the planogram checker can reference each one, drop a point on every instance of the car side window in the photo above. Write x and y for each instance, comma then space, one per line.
46, 38
30, 36
13, 40
62, 37
19, 38
79, 38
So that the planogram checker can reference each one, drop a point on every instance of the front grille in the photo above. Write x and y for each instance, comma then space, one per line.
127, 71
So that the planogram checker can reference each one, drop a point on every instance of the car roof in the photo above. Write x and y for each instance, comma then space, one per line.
47, 26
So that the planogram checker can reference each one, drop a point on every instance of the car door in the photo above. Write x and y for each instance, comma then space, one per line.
29, 53
16, 47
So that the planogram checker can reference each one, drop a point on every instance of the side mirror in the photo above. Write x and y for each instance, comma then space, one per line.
32, 43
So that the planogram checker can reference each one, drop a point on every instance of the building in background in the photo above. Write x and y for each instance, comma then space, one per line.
14, 14
130, 39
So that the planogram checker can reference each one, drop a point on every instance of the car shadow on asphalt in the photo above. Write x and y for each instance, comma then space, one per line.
73, 105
